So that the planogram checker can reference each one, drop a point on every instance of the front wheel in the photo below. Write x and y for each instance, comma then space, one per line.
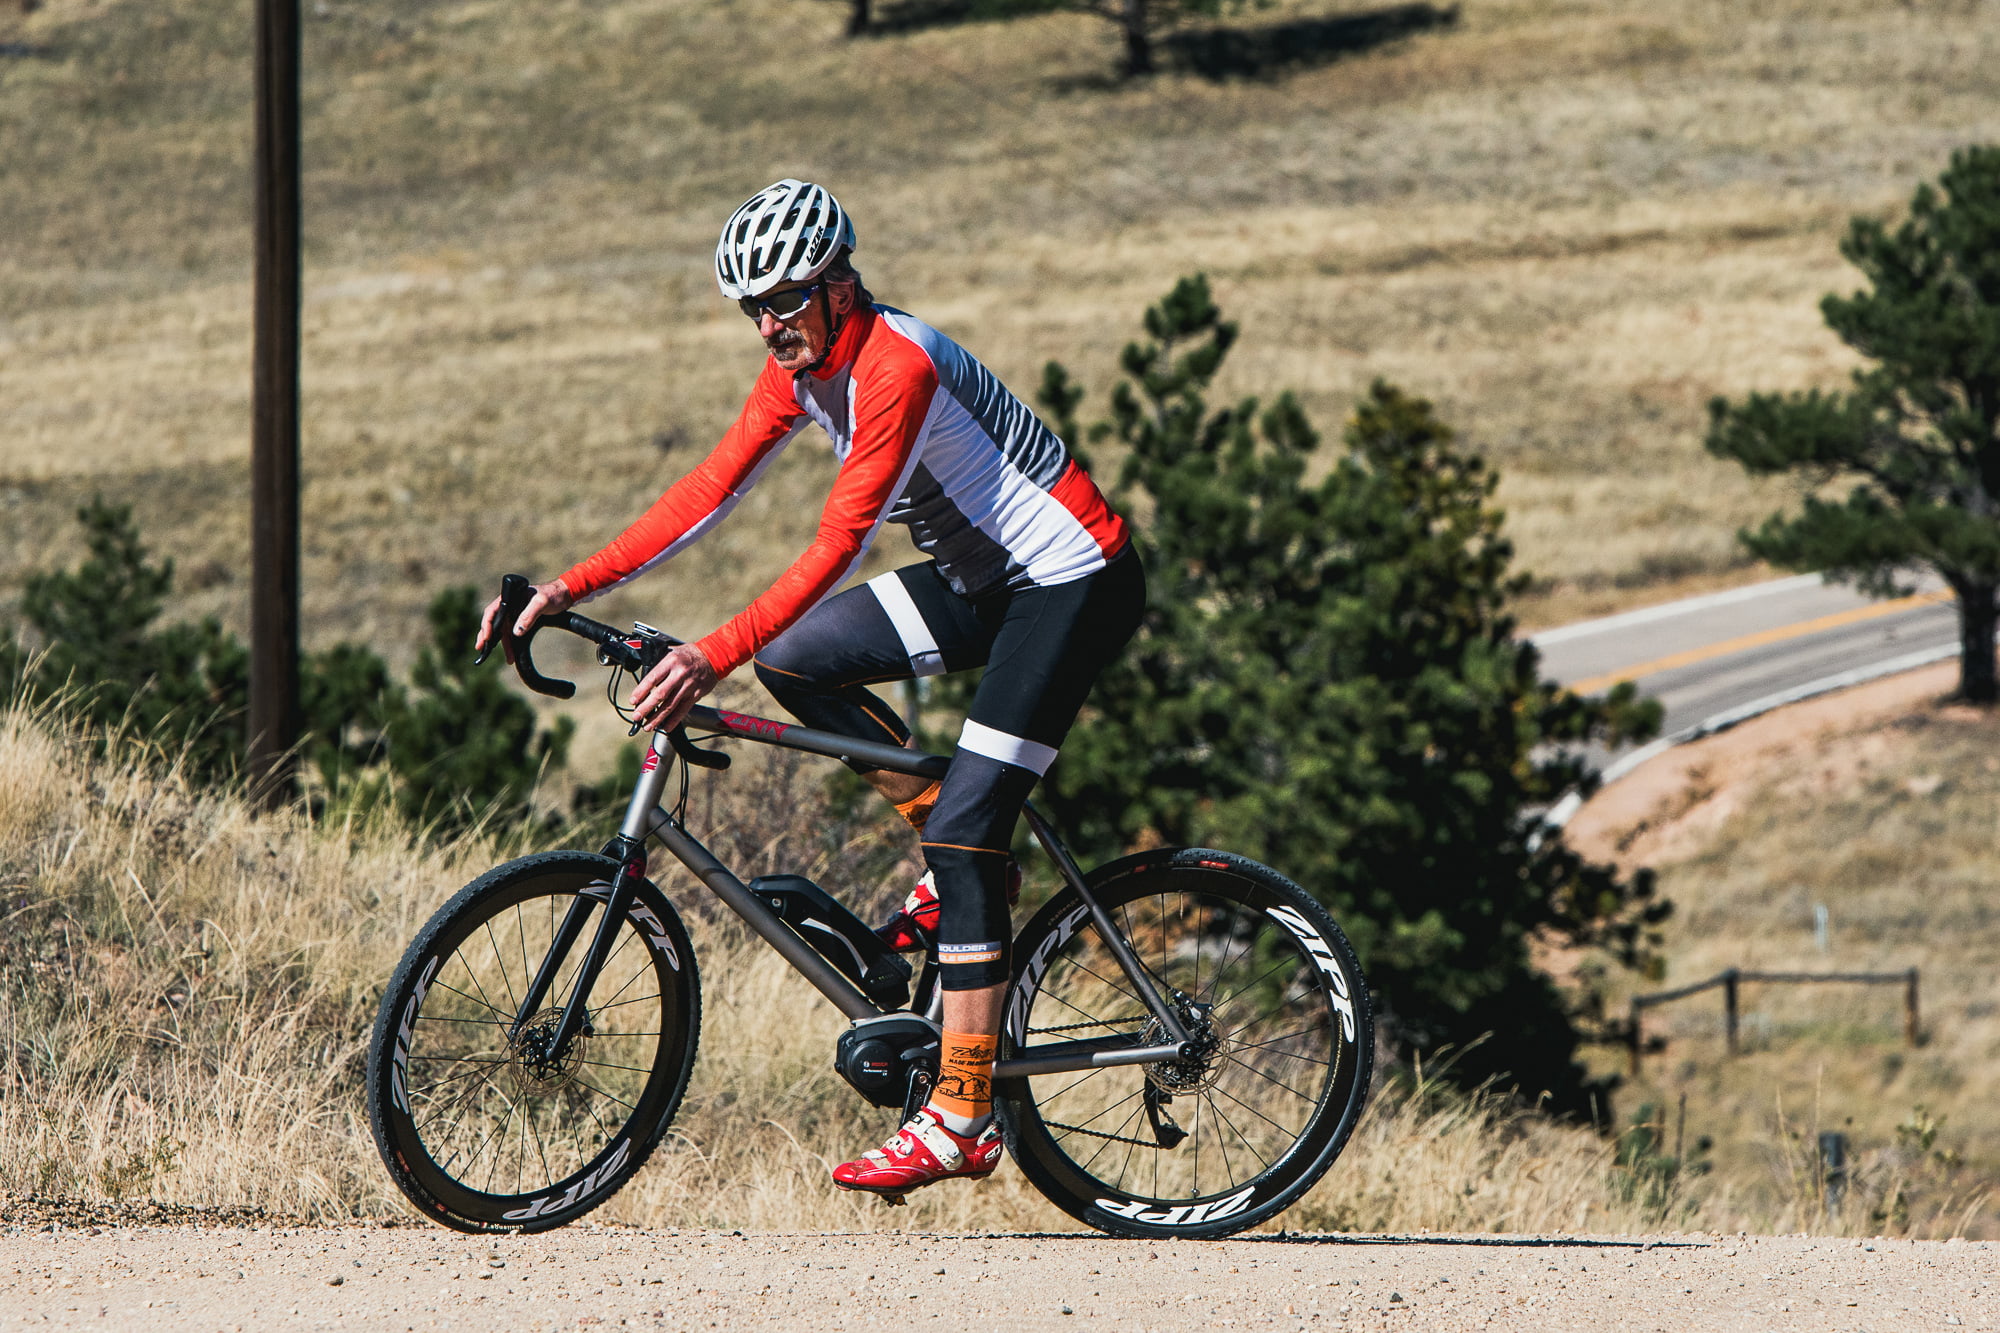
482, 1122
1230, 1136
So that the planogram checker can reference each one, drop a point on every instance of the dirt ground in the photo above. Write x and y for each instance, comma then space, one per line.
232, 1278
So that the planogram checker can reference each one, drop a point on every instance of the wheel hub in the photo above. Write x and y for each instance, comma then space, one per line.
1198, 1070
538, 1066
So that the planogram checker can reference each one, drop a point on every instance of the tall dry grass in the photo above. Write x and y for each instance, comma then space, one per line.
186, 991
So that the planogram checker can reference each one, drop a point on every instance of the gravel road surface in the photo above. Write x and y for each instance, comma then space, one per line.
400, 1277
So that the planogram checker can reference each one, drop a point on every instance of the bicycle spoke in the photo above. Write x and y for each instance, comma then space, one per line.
1137, 1111
1222, 1141
1280, 966
1253, 1110
506, 1018
603, 1064
501, 963
584, 1082
1325, 1026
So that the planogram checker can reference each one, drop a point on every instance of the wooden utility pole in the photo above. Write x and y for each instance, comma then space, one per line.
274, 443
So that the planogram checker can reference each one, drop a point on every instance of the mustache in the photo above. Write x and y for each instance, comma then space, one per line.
779, 341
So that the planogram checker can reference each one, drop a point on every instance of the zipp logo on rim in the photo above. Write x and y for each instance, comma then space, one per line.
399, 1071
1185, 1215
1322, 953
1031, 975
555, 1203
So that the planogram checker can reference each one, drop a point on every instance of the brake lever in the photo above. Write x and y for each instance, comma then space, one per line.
515, 594
694, 754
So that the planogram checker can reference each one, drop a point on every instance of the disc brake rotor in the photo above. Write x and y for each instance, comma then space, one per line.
1197, 1071
536, 1065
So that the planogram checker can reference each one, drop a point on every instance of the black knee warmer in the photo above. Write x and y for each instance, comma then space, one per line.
975, 929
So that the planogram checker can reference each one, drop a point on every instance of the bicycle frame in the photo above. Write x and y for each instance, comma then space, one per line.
646, 818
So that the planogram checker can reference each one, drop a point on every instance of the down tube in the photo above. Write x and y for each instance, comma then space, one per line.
826, 979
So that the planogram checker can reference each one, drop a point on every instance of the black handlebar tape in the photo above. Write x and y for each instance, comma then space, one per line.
515, 594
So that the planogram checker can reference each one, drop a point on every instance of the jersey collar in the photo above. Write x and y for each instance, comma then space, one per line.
847, 346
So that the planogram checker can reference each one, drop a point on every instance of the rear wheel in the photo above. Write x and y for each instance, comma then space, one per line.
489, 1128
1230, 1136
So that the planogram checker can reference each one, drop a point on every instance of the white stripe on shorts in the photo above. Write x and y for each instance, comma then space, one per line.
918, 641
1015, 750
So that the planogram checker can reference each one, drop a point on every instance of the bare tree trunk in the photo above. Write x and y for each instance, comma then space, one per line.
1132, 22
857, 18
1978, 619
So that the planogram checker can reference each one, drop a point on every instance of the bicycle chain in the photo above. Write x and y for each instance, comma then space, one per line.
1098, 1134
1079, 1129
1072, 1027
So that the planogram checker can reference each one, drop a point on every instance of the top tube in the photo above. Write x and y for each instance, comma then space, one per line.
789, 736
617, 648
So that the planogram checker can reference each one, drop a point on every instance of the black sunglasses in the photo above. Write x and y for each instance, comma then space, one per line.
782, 305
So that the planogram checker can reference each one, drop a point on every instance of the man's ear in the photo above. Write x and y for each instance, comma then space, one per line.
842, 296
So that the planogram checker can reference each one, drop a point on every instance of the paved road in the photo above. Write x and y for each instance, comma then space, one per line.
1707, 656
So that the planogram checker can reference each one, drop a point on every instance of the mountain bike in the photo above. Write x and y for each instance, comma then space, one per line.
1186, 1039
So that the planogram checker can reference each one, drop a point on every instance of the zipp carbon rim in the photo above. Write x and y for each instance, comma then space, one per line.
1213, 1144
485, 1129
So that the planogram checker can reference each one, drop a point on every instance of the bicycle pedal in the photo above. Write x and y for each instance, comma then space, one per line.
892, 1200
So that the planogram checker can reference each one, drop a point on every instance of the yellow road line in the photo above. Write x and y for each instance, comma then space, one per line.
1758, 640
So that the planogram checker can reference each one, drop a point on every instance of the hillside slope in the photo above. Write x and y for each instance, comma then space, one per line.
1570, 221
1877, 806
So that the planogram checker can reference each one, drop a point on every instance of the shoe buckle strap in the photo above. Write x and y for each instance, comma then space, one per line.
942, 1144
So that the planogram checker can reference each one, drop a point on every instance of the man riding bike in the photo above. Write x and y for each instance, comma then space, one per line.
1031, 575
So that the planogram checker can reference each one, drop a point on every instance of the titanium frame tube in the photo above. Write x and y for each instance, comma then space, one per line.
805, 960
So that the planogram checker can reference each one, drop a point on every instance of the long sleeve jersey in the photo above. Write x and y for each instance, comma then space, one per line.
926, 436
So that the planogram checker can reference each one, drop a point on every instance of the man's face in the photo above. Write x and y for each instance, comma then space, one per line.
800, 340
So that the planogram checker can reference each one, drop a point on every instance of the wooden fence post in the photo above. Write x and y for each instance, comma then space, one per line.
1729, 980
1638, 1042
1910, 1008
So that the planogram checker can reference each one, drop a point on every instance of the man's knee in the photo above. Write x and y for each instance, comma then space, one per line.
975, 929
783, 671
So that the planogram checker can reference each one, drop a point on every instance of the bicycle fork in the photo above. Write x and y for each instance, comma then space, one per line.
629, 850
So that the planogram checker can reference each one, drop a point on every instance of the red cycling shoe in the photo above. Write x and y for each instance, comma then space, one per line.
923, 1152
914, 925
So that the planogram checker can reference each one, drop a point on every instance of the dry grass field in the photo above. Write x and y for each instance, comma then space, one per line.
1568, 221
186, 993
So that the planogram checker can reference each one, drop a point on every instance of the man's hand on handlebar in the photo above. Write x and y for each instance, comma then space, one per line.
666, 693
551, 598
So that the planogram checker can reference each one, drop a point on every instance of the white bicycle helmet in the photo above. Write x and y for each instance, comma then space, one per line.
786, 232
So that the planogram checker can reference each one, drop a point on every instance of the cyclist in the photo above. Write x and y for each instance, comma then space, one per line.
1030, 575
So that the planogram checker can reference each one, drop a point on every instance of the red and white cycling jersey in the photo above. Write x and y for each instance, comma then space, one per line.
926, 436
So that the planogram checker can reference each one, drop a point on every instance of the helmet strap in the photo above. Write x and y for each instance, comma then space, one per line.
834, 324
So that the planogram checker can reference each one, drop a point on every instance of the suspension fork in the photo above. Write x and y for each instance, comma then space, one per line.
629, 850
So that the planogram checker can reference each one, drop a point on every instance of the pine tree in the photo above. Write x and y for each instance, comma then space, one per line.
1918, 434
1328, 679
184, 689
463, 745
